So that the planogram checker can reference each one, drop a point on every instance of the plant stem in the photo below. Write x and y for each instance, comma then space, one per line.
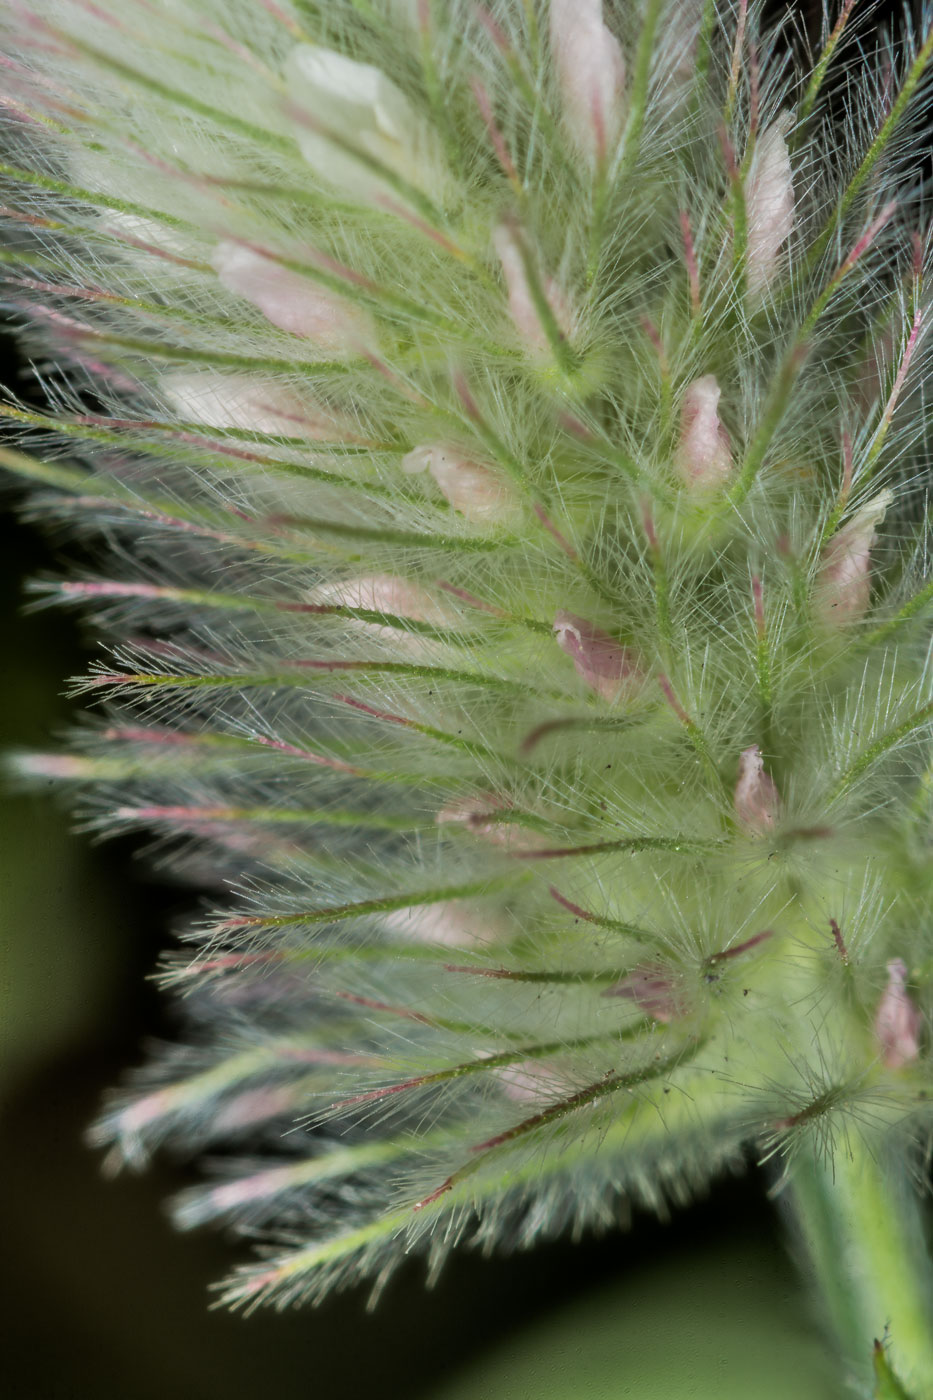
862, 1222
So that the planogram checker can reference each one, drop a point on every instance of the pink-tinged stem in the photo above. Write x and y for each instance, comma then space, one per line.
495, 135
690, 258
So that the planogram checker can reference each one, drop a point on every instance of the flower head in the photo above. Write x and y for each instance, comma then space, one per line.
429, 592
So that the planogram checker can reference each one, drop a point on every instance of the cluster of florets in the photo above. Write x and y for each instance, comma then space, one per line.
497, 454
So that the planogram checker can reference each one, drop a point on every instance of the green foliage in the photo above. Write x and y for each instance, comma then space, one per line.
888, 1386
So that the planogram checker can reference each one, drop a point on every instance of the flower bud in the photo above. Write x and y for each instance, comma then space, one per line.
254, 1106
703, 457
591, 77
605, 665
358, 103
898, 1021
843, 584
769, 206
292, 302
522, 307
757, 801
479, 494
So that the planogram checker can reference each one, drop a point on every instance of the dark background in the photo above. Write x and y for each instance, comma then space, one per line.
101, 1298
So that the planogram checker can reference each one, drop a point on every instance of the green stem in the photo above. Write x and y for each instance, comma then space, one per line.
863, 1226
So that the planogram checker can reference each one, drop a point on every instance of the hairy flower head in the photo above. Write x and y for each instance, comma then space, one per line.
456, 394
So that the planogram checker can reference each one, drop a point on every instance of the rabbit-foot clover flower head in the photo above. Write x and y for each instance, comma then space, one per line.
502, 626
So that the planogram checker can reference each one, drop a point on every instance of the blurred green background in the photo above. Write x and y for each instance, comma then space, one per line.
101, 1298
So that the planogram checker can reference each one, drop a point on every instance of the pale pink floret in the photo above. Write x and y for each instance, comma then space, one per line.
52, 765
292, 302
246, 1190
449, 924
533, 1081
677, 57
843, 584
478, 814
757, 801
253, 1106
221, 401
898, 1021
874, 369
607, 667
522, 307
386, 593
769, 206
652, 989
397, 597
590, 75
478, 493
704, 456
145, 1111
